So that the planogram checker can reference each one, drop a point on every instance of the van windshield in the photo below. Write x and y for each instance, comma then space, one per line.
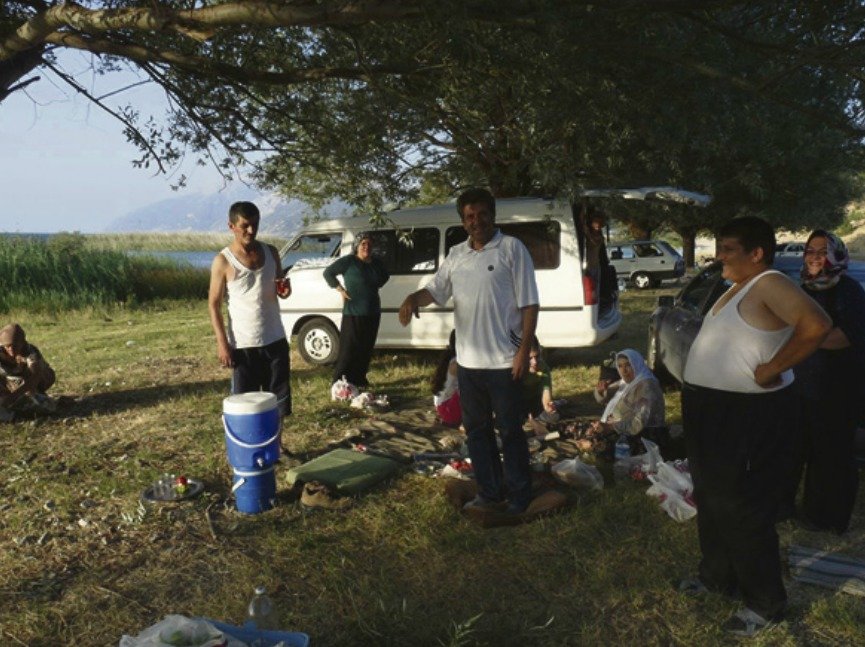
310, 249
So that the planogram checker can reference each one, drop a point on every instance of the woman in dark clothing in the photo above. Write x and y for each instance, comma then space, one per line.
830, 385
362, 275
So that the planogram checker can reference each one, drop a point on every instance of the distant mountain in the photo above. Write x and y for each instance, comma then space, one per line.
209, 212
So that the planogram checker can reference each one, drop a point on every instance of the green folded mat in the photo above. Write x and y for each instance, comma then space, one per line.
344, 471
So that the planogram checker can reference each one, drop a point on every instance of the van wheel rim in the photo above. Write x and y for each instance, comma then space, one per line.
318, 344
642, 281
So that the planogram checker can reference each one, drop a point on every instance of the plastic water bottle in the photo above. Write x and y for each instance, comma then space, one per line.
623, 448
261, 611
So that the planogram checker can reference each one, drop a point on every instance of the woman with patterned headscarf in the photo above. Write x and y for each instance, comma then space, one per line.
830, 385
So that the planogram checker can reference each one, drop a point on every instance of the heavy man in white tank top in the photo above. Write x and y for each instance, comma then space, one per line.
739, 417
248, 275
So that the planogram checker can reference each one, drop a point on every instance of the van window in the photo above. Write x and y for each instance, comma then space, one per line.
311, 247
542, 239
416, 254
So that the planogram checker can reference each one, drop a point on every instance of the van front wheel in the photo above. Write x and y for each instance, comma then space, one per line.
318, 342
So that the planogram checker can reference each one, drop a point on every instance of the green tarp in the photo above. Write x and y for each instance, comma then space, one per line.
344, 471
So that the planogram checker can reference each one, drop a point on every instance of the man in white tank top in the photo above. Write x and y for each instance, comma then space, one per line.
248, 275
740, 421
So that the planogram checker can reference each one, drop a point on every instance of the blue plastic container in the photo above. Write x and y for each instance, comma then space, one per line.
252, 430
254, 491
267, 638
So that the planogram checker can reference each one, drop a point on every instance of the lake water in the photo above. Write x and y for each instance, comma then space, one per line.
200, 260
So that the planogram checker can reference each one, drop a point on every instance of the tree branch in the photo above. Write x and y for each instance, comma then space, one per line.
141, 139
203, 66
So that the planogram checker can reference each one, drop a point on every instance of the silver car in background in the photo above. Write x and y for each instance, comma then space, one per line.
645, 263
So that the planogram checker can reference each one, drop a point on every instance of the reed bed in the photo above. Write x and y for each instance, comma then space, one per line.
164, 241
64, 273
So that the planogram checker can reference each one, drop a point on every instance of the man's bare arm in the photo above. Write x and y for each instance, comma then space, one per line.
412, 302
521, 359
218, 271
810, 326
283, 284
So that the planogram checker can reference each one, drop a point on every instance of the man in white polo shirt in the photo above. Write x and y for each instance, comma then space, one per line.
492, 281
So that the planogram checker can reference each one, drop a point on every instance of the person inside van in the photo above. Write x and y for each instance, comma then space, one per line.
597, 263
362, 274
446, 390
634, 403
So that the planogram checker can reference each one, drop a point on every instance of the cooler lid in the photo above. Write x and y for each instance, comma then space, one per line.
254, 402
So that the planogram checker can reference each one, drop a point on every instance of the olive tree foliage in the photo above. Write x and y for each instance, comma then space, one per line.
719, 103
794, 160
233, 51
757, 103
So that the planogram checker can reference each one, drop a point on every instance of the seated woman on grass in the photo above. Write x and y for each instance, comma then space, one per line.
635, 402
23, 372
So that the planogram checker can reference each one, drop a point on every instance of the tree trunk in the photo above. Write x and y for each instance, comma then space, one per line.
639, 232
689, 244
14, 69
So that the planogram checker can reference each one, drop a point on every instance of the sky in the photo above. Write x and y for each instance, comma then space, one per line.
65, 164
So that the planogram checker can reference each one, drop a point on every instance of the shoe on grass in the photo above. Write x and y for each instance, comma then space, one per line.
480, 504
746, 623
318, 495
514, 509
692, 586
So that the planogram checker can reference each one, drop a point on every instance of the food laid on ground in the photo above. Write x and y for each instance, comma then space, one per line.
181, 484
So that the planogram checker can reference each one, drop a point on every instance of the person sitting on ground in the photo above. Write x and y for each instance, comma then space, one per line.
537, 391
446, 391
635, 403
23, 370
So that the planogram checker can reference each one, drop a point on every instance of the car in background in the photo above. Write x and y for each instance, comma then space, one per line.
675, 322
645, 263
795, 250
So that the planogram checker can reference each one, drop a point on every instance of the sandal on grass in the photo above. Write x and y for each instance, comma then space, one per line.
746, 623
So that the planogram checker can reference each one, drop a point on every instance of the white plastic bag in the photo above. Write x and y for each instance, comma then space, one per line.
673, 503
361, 401
572, 471
343, 390
652, 456
179, 630
673, 487
675, 479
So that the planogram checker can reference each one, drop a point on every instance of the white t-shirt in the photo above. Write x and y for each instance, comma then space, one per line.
488, 286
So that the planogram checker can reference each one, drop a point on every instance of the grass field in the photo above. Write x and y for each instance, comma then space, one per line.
83, 562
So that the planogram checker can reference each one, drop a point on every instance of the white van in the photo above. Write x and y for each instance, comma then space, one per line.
574, 310
413, 246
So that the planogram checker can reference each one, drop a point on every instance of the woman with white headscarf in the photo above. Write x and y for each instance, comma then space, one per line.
635, 402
